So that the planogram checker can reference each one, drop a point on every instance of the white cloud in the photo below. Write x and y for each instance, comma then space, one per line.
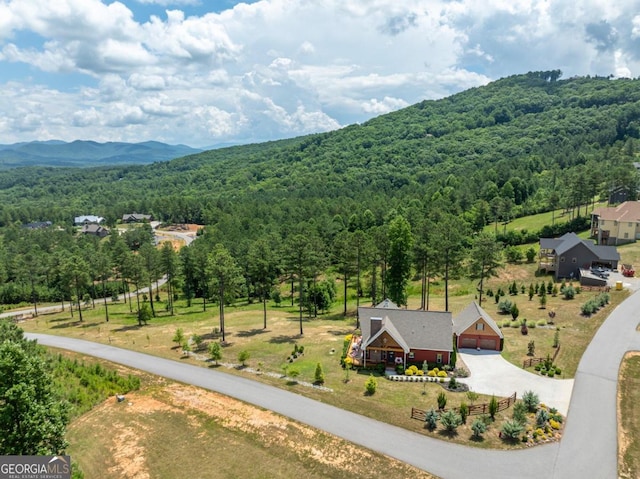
278, 68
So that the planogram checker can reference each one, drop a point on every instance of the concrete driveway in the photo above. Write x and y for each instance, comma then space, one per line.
490, 373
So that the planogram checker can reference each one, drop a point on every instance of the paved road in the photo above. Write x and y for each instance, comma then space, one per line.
588, 448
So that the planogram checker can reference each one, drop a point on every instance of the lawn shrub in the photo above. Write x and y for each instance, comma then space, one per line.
504, 306
371, 385
511, 430
450, 420
531, 400
431, 418
409, 372
431, 374
478, 427
542, 322
442, 374
442, 400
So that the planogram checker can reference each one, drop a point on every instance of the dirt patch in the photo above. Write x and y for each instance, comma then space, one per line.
625, 437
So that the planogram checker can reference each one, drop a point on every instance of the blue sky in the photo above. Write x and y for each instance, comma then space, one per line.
214, 72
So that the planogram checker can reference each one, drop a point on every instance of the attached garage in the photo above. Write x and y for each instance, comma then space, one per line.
488, 344
474, 328
466, 342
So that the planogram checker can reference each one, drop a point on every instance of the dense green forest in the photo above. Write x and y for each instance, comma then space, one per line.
422, 179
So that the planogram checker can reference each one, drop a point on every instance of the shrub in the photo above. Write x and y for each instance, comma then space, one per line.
319, 374
588, 308
493, 407
505, 306
243, 356
554, 424
420, 372
408, 372
506, 323
520, 412
531, 324
512, 430
541, 322
413, 368
531, 348
371, 385
453, 384
542, 416
442, 374
558, 371
450, 420
568, 292
531, 400
442, 400
431, 374
431, 418
399, 369
538, 367
478, 427
472, 396
515, 312
464, 412
441, 380
215, 352
551, 373
178, 337
556, 338
515, 324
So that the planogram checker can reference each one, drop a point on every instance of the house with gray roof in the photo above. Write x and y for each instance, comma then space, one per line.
567, 255
475, 328
136, 218
87, 219
391, 335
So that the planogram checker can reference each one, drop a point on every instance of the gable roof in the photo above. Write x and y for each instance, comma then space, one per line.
88, 219
568, 241
135, 217
470, 315
627, 211
413, 329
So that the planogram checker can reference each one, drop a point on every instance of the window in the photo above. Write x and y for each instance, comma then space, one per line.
479, 326
630, 223
562, 259
574, 260
439, 358
411, 355
626, 236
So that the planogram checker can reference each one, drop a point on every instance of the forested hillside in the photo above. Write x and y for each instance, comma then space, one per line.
520, 145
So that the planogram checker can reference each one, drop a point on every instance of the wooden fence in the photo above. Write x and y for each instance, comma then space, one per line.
474, 409
527, 363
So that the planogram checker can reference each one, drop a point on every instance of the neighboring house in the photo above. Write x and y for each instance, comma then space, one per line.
565, 256
37, 225
391, 335
136, 218
94, 229
87, 219
616, 225
474, 328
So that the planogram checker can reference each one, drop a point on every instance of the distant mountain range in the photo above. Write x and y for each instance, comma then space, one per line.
88, 153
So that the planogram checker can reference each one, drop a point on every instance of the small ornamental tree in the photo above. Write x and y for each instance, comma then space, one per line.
515, 312
197, 340
531, 292
450, 420
472, 396
556, 338
319, 375
442, 400
531, 348
543, 298
520, 412
293, 373
464, 412
186, 347
431, 418
531, 254
215, 352
178, 337
493, 407
530, 399
243, 356
478, 427
511, 430
371, 385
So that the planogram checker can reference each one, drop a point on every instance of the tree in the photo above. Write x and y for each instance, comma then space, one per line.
243, 357
531, 348
450, 420
169, 265
464, 412
493, 407
511, 430
448, 241
399, 273
442, 400
226, 278
298, 250
319, 374
263, 270
371, 385
530, 399
215, 352
178, 337
478, 427
32, 418
431, 418
423, 257
472, 396
151, 261
484, 259
76, 277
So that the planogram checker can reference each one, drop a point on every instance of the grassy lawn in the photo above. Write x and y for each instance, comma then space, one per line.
629, 417
269, 349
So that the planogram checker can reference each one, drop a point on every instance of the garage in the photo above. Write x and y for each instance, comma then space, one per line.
488, 344
468, 343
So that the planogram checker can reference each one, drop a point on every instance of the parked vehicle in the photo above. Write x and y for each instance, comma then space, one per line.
628, 271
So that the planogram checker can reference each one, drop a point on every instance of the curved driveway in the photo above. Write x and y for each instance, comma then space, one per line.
588, 448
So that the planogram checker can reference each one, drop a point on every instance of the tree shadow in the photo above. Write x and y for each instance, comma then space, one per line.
124, 329
292, 383
447, 434
90, 325
284, 339
67, 325
250, 333
336, 332
476, 439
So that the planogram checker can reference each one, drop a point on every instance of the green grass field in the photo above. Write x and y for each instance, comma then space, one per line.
629, 417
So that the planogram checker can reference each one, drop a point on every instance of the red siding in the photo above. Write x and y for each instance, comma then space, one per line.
429, 356
477, 338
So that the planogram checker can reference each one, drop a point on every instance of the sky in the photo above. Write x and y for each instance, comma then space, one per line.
214, 72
